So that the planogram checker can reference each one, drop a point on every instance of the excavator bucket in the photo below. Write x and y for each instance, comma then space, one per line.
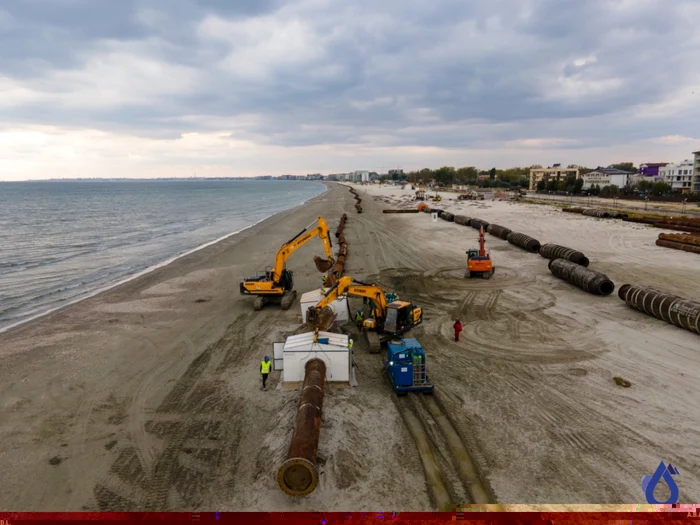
322, 265
321, 320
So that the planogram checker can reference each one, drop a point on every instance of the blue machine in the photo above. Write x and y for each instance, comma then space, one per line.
405, 363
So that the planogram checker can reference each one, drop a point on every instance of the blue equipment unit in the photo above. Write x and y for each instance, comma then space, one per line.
406, 364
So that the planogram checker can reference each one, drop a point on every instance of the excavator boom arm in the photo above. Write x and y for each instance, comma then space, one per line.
345, 286
298, 241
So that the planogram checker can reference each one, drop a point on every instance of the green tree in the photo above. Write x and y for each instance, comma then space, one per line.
552, 185
445, 175
492, 173
661, 188
578, 185
541, 185
644, 185
467, 175
624, 166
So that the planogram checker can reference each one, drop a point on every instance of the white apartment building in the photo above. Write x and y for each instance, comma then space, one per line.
606, 177
679, 176
696, 176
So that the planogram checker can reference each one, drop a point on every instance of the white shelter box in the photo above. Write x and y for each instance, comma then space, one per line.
312, 298
301, 348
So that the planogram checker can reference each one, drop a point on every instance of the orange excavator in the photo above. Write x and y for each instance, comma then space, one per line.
478, 261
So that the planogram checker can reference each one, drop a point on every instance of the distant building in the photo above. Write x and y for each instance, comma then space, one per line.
607, 177
649, 172
679, 176
696, 171
360, 176
314, 176
397, 172
555, 172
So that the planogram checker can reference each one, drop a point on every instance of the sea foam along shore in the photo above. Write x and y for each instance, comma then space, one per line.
151, 268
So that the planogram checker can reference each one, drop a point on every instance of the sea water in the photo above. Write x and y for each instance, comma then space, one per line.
63, 240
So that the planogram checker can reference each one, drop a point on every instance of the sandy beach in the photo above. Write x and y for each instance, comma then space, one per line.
146, 397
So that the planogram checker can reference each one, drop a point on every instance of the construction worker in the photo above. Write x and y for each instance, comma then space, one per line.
458, 328
350, 344
359, 317
265, 366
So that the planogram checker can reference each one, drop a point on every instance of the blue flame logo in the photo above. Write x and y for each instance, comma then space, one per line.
649, 483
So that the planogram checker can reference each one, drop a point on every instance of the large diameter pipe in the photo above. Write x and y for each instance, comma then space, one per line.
524, 241
463, 220
675, 310
499, 231
596, 213
554, 251
676, 227
478, 223
400, 211
341, 226
572, 210
678, 246
588, 280
298, 475
681, 238
447, 216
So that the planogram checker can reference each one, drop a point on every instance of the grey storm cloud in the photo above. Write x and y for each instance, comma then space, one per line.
399, 72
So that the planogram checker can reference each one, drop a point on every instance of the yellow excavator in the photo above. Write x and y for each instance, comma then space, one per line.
386, 320
276, 284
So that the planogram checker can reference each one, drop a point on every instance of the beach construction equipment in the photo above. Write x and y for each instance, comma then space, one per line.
499, 231
587, 280
555, 251
298, 475
675, 310
524, 241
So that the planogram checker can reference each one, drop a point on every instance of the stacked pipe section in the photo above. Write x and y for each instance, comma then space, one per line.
554, 251
358, 199
675, 310
524, 241
680, 241
463, 220
341, 226
587, 280
477, 224
298, 475
447, 216
499, 231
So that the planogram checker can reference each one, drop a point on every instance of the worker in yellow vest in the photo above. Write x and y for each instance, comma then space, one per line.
265, 366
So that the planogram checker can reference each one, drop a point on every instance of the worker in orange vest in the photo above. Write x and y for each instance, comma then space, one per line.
458, 328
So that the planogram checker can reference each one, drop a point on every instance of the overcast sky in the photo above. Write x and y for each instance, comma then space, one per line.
139, 88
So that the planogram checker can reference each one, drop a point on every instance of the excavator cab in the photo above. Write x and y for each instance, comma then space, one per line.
401, 316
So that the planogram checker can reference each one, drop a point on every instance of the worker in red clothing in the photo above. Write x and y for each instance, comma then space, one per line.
458, 328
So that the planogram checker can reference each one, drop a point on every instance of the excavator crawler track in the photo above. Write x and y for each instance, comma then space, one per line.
288, 300
374, 342
259, 303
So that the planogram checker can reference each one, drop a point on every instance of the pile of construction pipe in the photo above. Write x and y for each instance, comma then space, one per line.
478, 224
524, 241
555, 251
447, 216
617, 215
358, 199
463, 220
572, 210
675, 310
298, 475
341, 226
587, 280
499, 231
400, 211
596, 213
680, 241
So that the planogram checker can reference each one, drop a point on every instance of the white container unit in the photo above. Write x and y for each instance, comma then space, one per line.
299, 349
339, 306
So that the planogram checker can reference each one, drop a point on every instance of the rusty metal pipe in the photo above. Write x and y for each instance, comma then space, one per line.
675, 310
555, 251
523, 241
400, 211
678, 246
587, 280
298, 475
